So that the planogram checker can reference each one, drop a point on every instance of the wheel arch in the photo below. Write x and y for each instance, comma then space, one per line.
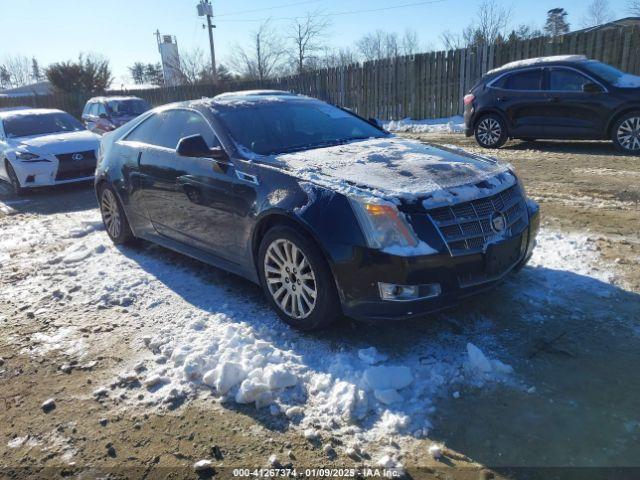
616, 116
491, 111
276, 218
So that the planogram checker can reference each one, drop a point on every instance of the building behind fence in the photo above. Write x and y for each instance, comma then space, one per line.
427, 85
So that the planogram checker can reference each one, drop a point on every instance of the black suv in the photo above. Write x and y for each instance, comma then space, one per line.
561, 97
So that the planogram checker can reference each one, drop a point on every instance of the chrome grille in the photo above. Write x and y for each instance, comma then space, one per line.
466, 227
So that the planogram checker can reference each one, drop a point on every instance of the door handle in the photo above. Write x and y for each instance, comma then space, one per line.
502, 99
553, 99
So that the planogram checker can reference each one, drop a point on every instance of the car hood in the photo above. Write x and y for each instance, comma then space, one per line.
58, 143
400, 168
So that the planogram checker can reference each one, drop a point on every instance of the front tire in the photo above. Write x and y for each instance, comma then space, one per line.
297, 280
491, 131
626, 133
113, 217
13, 180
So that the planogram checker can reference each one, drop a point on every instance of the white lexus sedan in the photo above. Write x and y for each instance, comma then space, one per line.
42, 147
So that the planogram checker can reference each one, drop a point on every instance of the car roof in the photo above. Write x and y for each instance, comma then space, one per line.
114, 97
28, 111
529, 62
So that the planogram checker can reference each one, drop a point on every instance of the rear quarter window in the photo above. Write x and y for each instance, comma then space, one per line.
526, 80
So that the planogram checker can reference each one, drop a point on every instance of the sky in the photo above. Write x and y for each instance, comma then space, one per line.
123, 30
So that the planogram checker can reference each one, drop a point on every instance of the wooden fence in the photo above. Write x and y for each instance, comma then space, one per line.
426, 85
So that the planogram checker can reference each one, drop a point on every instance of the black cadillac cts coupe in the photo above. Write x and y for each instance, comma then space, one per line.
331, 214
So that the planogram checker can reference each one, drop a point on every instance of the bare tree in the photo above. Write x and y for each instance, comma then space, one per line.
493, 20
307, 34
17, 71
264, 57
379, 44
490, 26
633, 7
409, 44
598, 12
194, 67
336, 58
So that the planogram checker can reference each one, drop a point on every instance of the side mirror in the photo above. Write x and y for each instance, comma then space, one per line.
103, 116
591, 88
195, 146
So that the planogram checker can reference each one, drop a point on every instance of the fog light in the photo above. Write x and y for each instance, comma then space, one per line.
404, 293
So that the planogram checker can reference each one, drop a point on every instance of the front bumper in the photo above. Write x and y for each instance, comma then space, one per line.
50, 173
459, 276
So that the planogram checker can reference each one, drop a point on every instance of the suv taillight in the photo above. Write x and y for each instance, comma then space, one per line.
469, 98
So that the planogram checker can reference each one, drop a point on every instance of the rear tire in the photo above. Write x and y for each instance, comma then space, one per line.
297, 280
491, 131
626, 133
13, 180
113, 216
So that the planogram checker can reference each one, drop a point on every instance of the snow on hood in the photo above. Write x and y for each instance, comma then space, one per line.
57, 143
394, 168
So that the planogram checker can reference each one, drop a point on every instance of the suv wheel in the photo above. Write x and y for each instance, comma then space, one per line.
113, 217
626, 133
13, 179
297, 280
491, 131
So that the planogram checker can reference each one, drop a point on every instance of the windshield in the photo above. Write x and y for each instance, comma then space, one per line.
119, 108
40, 124
613, 75
279, 127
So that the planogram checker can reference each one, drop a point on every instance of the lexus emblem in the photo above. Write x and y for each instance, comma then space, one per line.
498, 222
77, 157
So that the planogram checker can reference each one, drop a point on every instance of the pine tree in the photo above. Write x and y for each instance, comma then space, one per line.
556, 22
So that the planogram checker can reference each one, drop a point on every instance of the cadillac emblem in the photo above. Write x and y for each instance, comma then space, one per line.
498, 222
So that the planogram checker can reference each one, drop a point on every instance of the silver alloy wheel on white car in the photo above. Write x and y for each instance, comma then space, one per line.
111, 213
628, 134
290, 279
489, 131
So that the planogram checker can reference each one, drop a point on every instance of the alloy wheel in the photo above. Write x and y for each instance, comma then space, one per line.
628, 134
489, 131
111, 213
290, 279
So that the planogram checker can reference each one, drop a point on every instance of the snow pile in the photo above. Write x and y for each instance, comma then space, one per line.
453, 124
199, 332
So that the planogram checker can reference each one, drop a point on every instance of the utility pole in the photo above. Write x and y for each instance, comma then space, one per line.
206, 10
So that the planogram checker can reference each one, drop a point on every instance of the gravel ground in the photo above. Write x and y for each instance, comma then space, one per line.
77, 317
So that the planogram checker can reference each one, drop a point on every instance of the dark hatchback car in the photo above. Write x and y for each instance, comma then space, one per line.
104, 114
329, 213
561, 97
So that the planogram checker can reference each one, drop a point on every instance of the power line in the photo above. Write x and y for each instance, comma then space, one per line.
266, 8
350, 12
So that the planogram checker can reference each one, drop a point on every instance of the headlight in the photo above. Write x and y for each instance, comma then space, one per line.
26, 155
382, 224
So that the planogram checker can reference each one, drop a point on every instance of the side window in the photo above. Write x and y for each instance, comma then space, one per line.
94, 109
177, 124
566, 80
147, 131
87, 109
101, 109
527, 80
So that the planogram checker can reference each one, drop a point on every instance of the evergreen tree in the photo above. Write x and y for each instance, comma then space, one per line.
556, 22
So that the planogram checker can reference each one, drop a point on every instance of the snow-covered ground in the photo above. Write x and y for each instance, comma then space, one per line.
453, 124
200, 333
